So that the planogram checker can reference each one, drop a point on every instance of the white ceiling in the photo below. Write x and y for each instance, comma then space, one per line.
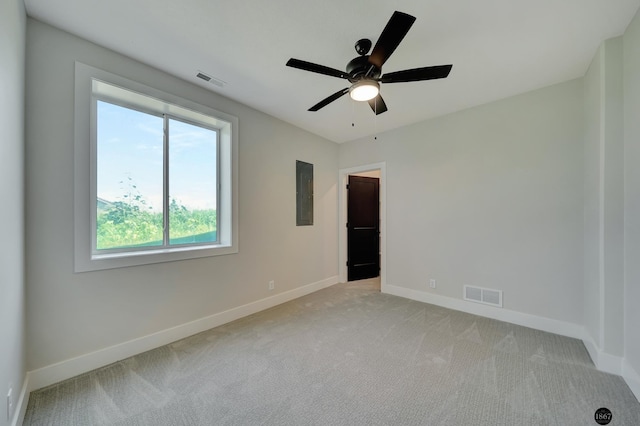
498, 48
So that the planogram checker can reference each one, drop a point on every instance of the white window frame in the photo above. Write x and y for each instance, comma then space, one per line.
92, 83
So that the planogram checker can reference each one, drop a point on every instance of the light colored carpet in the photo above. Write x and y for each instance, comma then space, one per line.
347, 355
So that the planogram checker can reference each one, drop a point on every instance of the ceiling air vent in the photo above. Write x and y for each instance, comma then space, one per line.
203, 76
210, 79
486, 296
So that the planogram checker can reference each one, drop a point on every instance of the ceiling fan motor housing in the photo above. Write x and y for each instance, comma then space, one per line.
358, 67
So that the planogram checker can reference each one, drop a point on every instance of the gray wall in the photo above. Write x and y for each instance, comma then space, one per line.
592, 197
12, 287
73, 314
491, 196
604, 199
631, 44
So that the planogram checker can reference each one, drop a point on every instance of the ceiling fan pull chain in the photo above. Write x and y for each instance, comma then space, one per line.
375, 119
353, 124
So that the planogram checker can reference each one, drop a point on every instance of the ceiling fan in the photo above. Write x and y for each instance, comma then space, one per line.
365, 72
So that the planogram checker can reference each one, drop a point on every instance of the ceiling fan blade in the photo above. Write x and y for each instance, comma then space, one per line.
320, 69
377, 105
417, 74
397, 27
323, 103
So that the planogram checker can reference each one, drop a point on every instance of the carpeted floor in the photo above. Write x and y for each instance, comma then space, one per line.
347, 355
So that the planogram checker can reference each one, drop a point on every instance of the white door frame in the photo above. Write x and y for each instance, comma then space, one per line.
343, 178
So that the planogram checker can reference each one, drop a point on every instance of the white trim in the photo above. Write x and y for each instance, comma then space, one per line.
227, 211
602, 360
592, 348
609, 363
66, 369
343, 176
54, 373
632, 378
527, 320
601, 199
21, 405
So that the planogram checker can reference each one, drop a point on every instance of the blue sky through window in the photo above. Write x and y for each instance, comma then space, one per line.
130, 159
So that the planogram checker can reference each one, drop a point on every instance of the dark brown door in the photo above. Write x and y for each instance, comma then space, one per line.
363, 228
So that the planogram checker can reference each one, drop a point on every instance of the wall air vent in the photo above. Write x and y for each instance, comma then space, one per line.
486, 296
210, 79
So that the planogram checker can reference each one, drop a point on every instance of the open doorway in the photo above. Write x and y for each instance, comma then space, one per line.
370, 181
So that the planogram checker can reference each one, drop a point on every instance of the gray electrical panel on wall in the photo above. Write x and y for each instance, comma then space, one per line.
304, 193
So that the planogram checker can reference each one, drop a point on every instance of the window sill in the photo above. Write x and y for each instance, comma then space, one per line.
161, 251
99, 262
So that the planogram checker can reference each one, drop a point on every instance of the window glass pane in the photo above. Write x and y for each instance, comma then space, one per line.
192, 184
129, 178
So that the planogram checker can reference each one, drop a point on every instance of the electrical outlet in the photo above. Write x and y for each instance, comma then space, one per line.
9, 404
272, 285
432, 283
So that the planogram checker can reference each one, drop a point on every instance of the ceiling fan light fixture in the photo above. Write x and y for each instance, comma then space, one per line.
364, 90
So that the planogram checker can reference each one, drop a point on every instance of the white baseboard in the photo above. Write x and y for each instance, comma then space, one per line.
54, 373
527, 320
631, 376
602, 360
614, 365
66, 369
21, 403
592, 348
